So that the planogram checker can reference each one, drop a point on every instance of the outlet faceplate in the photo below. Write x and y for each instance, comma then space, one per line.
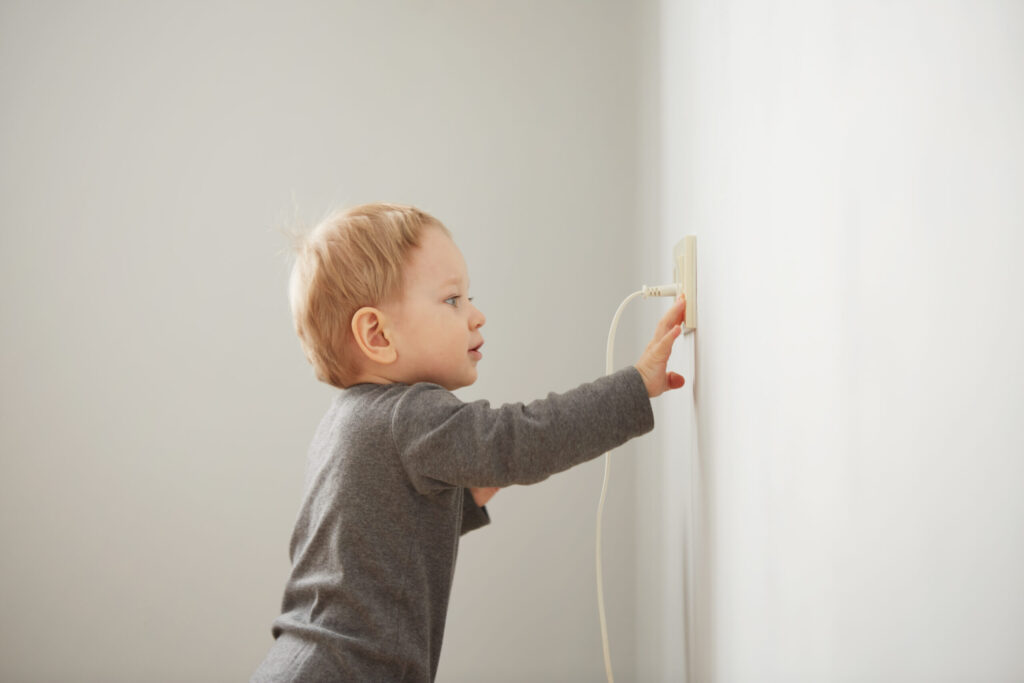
684, 272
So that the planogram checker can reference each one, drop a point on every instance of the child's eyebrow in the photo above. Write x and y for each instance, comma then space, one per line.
456, 280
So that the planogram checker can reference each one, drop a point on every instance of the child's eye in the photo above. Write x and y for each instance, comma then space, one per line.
452, 300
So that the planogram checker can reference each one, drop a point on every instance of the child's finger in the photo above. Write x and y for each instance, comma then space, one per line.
673, 316
663, 348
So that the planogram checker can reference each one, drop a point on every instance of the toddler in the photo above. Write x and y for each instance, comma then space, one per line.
399, 467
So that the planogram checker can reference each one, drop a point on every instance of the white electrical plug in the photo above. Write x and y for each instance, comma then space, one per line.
661, 290
684, 271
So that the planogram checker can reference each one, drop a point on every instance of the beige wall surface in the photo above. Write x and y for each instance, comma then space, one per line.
853, 172
155, 407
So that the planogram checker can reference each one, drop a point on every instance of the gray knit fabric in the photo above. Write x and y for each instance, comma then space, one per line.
374, 546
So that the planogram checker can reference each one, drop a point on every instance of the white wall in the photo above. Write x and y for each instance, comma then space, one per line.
854, 173
155, 407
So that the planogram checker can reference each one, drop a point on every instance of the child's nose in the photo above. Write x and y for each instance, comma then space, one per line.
478, 319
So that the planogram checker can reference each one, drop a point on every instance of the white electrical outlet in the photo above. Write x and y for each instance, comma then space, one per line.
684, 272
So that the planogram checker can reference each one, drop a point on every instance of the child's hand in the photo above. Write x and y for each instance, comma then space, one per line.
482, 495
653, 362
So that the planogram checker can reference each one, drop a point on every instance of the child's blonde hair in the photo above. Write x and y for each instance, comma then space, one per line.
353, 258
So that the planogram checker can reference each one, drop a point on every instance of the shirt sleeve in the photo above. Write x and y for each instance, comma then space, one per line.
444, 442
473, 516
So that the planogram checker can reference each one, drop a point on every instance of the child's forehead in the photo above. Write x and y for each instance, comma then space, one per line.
442, 279
439, 262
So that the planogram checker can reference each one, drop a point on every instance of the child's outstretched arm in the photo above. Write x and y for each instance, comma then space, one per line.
653, 361
652, 366
444, 442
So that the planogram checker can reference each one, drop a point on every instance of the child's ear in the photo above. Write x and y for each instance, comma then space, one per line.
372, 335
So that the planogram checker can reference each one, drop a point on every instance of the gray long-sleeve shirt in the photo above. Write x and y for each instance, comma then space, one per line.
374, 546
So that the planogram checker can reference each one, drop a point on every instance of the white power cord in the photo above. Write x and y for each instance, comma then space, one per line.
672, 290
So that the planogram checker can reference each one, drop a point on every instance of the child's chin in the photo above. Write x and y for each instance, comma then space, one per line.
469, 380
460, 383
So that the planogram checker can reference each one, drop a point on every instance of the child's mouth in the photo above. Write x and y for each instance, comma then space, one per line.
474, 352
